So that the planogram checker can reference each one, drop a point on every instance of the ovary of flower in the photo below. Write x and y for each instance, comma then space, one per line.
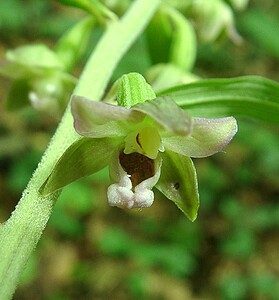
123, 195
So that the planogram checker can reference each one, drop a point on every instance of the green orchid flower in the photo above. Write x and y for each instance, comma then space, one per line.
38, 77
147, 145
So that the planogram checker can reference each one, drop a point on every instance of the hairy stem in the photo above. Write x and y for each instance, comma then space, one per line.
21, 232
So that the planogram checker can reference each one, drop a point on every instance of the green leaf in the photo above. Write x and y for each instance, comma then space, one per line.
262, 28
208, 137
250, 96
133, 89
178, 182
84, 157
168, 114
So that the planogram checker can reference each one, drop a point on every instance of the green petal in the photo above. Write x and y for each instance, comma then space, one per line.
167, 113
85, 157
178, 182
209, 136
97, 119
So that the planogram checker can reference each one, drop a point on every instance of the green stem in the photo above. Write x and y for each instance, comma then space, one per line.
21, 232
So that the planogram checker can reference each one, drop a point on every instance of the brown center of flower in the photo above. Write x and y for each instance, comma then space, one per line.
138, 166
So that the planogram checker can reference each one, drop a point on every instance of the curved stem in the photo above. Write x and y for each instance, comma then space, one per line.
21, 232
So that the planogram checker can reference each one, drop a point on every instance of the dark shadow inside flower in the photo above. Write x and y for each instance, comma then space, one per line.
138, 166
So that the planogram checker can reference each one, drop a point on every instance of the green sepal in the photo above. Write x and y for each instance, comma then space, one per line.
36, 55
178, 182
72, 44
208, 137
84, 157
30, 61
168, 114
184, 44
133, 89
97, 119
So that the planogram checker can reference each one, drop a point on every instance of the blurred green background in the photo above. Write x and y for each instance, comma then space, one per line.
92, 251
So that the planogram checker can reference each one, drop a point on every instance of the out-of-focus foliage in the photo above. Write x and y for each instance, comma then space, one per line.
92, 251
31, 18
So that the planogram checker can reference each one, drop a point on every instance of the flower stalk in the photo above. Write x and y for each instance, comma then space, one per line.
21, 232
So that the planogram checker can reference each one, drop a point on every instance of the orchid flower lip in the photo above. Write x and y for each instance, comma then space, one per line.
135, 176
138, 167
